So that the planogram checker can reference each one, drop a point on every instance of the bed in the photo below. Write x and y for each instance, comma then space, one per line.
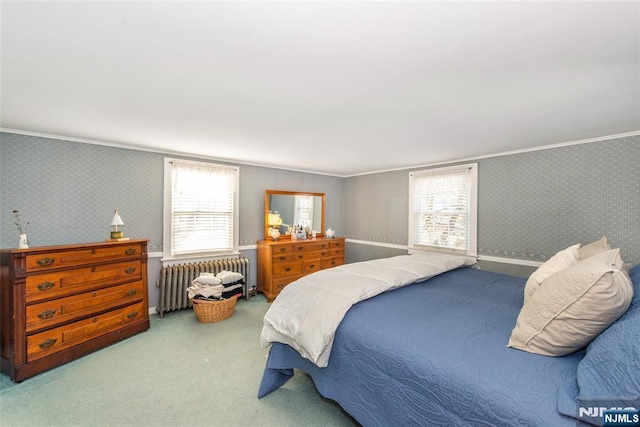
435, 352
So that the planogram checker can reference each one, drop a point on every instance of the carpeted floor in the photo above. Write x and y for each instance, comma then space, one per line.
179, 372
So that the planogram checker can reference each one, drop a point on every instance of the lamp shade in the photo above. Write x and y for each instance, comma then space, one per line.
274, 219
116, 221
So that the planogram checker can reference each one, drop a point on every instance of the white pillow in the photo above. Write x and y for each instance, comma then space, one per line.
594, 248
573, 306
563, 259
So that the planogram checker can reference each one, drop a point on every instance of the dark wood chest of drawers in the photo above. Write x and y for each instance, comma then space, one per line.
62, 302
283, 261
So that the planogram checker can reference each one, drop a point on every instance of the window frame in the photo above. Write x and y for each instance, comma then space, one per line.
168, 257
472, 226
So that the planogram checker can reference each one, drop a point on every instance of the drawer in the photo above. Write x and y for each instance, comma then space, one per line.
332, 262
51, 313
308, 256
46, 261
279, 284
310, 247
287, 269
336, 244
311, 266
281, 249
282, 258
48, 342
62, 283
336, 252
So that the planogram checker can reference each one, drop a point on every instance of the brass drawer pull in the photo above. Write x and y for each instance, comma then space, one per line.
282, 258
283, 249
132, 292
312, 266
130, 251
47, 314
132, 315
45, 286
323, 246
43, 262
301, 248
323, 253
288, 269
48, 343
130, 270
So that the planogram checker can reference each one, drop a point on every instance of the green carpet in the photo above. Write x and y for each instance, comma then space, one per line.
179, 372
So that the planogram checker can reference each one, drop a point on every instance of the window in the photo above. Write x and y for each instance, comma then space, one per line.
443, 209
303, 211
200, 209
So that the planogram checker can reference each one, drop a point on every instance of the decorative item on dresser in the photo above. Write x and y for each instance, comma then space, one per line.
62, 302
283, 261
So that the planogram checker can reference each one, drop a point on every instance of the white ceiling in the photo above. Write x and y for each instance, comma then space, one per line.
333, 87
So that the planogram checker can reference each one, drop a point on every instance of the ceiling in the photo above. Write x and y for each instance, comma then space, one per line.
334, 87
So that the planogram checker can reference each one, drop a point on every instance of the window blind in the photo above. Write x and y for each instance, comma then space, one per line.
202, 208
441, 208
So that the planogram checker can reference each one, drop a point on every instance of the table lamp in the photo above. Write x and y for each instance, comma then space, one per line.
115, 222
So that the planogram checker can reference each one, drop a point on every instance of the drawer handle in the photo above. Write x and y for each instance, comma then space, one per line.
132, 292
323, 246
312, 266
47, 314
45, 286
300, 248
47, 343
93, 269
333, 263
43, 262
300, 256
323, 253
282, 258
283, 249
132, 315
281, 285
130, 270
130, 251
288, 269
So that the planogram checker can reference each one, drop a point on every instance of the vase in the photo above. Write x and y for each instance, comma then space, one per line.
22, 241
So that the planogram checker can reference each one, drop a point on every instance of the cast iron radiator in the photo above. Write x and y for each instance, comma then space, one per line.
175, 280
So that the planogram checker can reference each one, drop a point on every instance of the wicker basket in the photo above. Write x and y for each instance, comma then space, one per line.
214, 310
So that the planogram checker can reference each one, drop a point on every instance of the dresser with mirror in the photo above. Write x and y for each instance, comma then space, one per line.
289, 249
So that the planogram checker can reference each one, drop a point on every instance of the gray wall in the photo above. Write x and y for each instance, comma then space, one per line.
530, 205
68, 191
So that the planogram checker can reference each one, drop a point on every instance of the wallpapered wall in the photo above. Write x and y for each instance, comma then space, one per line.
530, 205
68, 191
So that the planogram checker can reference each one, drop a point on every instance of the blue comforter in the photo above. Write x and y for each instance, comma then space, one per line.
435, 353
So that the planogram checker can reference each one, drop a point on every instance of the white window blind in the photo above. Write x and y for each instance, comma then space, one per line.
443, 209
303, 211
202, 208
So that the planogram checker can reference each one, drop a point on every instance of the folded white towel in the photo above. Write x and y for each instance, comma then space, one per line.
229, 276
205, 290
209, 279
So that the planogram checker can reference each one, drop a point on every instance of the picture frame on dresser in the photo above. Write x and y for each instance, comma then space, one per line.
60, 303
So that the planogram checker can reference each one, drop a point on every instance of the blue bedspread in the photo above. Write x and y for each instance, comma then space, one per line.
435, 353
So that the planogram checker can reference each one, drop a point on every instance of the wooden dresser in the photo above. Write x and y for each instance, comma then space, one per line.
283, 261
62, 302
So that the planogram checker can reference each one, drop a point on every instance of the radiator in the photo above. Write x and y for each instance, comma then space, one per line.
175, 280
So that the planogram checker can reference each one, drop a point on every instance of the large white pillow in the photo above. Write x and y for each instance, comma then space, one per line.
594, 248
563, 259
573, 306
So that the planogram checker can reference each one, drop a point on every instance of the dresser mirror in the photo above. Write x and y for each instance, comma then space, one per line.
294, 208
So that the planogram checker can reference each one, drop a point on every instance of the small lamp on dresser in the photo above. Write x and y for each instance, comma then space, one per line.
117, 235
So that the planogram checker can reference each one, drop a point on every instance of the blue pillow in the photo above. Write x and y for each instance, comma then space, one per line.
608, 373
634, 273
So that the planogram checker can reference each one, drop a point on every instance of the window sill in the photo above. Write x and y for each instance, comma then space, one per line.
168, 262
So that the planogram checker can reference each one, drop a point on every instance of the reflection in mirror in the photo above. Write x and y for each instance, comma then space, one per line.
295, 209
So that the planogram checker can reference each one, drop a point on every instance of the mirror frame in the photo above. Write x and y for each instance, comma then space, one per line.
268, 193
